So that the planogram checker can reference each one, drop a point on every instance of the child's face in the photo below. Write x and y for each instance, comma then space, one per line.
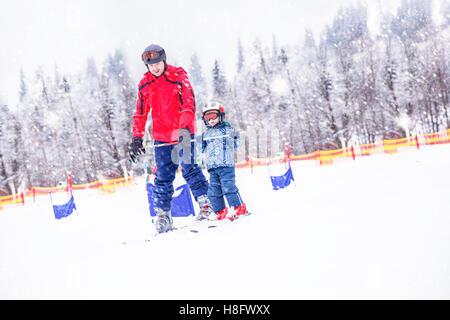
213, 121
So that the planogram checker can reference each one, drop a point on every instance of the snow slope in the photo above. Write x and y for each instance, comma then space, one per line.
374, 228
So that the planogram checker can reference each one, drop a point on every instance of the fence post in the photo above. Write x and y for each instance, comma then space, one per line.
69, 182
287, 155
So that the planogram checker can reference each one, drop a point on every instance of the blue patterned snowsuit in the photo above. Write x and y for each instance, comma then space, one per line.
220, 164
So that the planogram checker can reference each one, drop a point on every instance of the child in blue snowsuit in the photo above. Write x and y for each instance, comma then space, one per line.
218, 142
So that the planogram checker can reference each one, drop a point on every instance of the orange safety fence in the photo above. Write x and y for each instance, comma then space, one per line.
106, 186
326, 157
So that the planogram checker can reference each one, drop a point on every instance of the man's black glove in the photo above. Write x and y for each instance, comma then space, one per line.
184, 133
136, 148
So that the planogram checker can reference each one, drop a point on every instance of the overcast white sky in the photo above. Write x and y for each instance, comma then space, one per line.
64, 33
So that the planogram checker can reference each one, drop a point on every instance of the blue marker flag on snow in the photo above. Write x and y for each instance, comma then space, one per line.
280, 182
64, 210
182, 205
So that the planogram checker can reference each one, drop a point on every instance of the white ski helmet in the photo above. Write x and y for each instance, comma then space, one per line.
214, 106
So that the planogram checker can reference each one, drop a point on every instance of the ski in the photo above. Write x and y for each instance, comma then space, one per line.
216, 223
202, 224
187, 226
195, 226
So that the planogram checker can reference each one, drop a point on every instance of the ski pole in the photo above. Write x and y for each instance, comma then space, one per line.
169, 144
192, 140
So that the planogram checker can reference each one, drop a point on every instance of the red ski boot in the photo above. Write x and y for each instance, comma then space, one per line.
222, 214
239, 211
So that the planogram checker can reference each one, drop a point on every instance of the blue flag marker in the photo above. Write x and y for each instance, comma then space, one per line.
182, 205
280, 182
64, 210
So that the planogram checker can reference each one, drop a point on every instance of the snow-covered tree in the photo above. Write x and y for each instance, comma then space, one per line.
199, 84
10, 141
219, 82
241, 58
445, 11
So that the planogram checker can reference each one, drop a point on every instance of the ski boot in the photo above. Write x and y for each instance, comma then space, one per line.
222, 214
164, 221
239, 211
205, 207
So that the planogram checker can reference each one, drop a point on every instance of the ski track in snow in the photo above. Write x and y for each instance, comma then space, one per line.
374, 228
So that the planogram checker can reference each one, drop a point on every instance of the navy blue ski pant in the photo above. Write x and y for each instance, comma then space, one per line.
222, 184
165, 175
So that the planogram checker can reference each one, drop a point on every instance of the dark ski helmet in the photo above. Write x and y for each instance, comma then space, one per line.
153, 54
213, 106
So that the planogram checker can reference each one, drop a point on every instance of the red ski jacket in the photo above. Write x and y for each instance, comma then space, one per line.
171, 100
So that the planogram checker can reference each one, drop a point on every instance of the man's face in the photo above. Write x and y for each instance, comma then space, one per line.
157, 69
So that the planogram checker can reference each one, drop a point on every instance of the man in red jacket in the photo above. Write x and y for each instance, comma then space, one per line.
166, 91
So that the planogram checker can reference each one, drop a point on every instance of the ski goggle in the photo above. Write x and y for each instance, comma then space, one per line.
211, 116
150, 56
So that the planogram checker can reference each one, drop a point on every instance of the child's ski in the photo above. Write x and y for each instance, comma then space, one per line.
216, 223
196, 226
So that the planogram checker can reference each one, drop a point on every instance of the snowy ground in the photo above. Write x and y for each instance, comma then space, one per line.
374, 228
